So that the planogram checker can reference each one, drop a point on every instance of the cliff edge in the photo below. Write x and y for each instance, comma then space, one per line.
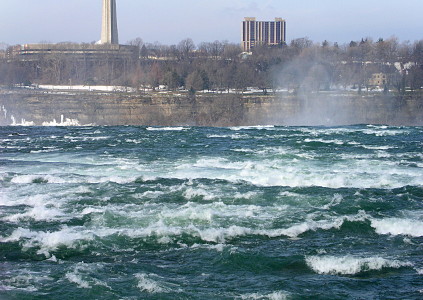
35, 107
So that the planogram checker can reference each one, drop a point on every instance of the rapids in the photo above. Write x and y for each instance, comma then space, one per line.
260, 212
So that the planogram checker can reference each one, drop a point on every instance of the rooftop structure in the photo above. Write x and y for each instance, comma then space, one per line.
256, 33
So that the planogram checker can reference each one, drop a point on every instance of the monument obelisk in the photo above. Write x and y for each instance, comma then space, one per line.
109, 30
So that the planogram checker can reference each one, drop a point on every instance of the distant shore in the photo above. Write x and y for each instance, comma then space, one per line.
61, 106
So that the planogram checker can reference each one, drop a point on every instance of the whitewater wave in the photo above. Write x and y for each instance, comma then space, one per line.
147, 284
294, 173
48, 242
70, 179
293, 169
230, 136
154, 284
23, 280
259, 127
150, 203
35, 178
279, 295
398, 226
351, 265
82, 275
37, 213
167, 128
336, 142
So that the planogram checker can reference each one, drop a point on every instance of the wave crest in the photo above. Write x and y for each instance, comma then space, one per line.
350, 265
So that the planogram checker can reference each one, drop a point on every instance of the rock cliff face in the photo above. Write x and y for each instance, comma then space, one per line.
207, 109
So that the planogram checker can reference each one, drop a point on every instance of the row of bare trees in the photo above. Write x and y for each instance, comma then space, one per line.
300, 65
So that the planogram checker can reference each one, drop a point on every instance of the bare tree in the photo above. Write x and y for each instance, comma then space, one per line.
186, 47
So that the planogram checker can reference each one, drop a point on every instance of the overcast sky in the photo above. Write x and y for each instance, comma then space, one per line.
169, 21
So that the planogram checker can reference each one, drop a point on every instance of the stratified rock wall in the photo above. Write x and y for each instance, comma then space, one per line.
207, 109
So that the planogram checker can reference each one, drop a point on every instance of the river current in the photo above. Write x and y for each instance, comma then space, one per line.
211, 213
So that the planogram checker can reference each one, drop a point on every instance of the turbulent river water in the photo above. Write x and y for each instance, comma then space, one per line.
211, 213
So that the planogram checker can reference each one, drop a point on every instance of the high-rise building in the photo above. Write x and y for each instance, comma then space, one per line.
109, 30
255, 33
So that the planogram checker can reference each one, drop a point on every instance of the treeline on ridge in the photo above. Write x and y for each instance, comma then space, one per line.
220, 66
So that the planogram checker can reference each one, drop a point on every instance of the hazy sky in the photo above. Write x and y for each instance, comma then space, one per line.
169, 21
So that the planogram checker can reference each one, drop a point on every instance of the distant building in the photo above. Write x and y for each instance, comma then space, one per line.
89, 52
107, 48
255, 33
378, 79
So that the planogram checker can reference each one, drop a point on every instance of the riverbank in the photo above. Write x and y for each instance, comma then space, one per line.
61, 107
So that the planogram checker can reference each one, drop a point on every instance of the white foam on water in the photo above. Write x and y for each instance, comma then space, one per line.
33, 200
299, 169
216, 213
214, 222
349, 172
37, 213
77, 279
115, 179
41, 207
146, 283
336, 142
378, 147
220, 235
337, 199
289, 194
259, 127
134, 141
398, 226
23, 280
86, 138
310, 225
44, 151
383, 132
244, 150
49, 241
61, 178
92, 210
211, 163
191, 193
189, 211
278, 295
236, 136
167, 128
149, 195
377, 126
247, 195
81, 275
351, 265
27, 179
217, 247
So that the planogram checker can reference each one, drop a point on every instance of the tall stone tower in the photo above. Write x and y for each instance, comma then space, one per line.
109, 30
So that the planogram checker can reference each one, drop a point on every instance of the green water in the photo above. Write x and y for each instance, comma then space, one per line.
211, 213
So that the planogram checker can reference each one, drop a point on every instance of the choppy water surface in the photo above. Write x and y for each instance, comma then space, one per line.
211, 213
